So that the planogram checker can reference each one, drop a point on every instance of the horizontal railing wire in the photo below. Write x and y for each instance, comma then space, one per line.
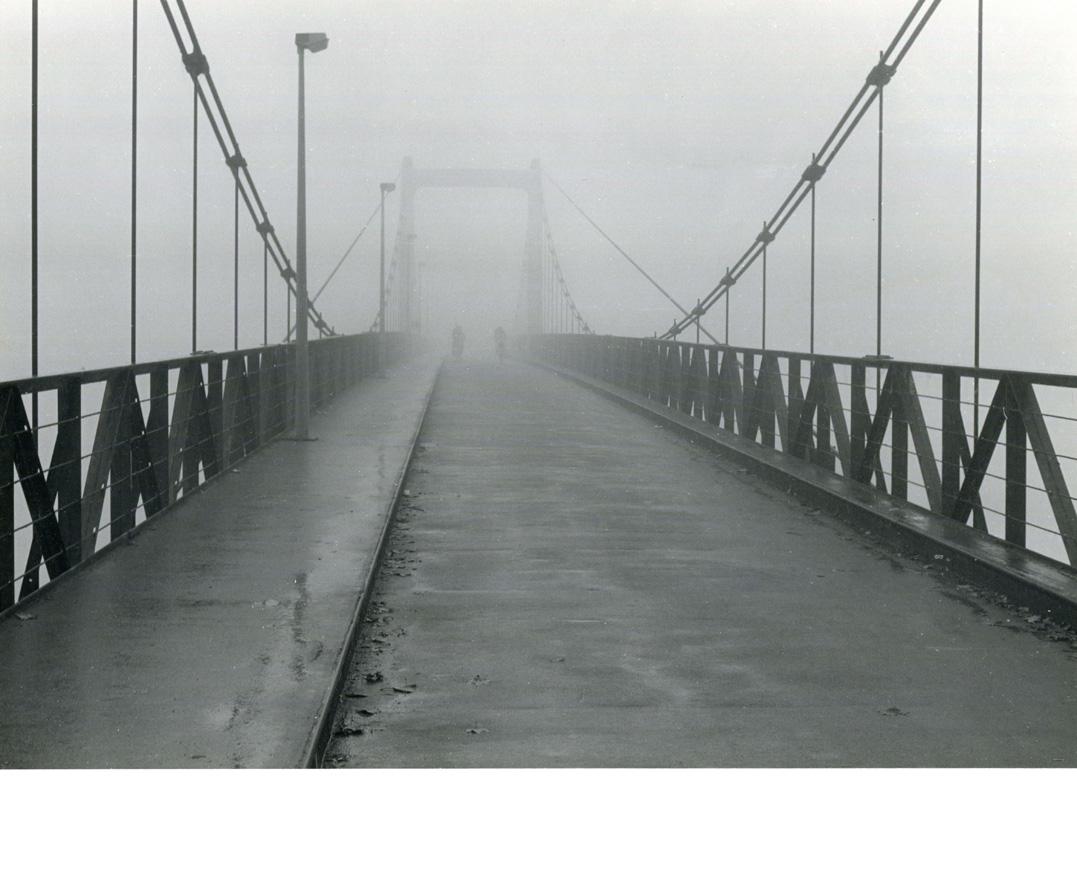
245, 402
694, 379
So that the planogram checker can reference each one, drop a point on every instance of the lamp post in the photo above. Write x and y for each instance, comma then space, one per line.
315, 43
386, 188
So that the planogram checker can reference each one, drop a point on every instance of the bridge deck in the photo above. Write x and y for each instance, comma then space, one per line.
211, 638
573, 585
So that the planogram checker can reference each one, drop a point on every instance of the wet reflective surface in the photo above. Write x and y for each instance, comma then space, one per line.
569, 584
210, 638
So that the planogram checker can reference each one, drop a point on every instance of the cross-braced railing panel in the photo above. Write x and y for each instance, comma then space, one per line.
904, 428
116, 446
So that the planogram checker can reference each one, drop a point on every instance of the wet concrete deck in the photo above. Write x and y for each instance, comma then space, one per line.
572, 585
211, 638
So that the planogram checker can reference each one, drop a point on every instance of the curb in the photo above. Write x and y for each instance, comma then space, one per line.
318, 739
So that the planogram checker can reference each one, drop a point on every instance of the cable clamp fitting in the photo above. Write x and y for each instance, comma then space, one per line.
195, 63
881, 74
813, 173
766, 236
288, 273
728, 281
265, 228
236, 162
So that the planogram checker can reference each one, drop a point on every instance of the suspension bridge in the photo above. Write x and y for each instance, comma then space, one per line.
611, 550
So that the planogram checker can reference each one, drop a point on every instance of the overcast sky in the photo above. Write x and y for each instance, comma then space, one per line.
679, 126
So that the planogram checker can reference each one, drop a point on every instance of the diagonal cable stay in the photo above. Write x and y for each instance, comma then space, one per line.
343, 258
626, 255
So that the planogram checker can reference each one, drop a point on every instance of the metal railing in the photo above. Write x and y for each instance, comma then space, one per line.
904, 430
157, 432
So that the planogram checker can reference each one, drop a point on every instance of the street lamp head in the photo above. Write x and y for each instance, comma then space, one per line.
315, 42
388, 187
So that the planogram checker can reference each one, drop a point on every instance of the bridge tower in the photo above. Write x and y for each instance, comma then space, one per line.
413, 179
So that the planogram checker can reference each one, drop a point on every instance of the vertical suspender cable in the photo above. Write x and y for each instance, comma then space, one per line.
134, 177
194, 221
764, 239
551, 301
265, 292
879, 243
542, 291
878, 78
33, 209
811, 278
728, 301
550, 312
764, 339
235, 267
979, 184
547, 301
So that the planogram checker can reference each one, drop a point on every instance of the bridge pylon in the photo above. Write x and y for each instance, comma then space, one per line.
413, 179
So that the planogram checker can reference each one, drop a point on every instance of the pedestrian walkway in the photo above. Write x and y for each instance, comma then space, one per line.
211, 639
572, 585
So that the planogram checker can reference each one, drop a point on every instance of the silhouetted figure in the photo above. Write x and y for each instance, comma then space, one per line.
500, 344
457, 342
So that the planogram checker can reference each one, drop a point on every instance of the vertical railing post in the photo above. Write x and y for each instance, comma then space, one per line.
69, 487
1016, 471
747, 397
859, 415
713, 391
795, 403
266, 414
288, 385
822, 453
215, 403
951, 439
254, 390
7, 513
899, 445
684, 373
157, 430
121, 493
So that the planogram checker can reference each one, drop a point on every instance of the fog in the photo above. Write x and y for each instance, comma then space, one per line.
678, 126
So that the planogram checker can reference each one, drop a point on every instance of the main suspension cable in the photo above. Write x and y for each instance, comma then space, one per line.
865, 97
197, 66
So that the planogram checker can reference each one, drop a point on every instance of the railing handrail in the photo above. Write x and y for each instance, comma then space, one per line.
1060, 380
32, 384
